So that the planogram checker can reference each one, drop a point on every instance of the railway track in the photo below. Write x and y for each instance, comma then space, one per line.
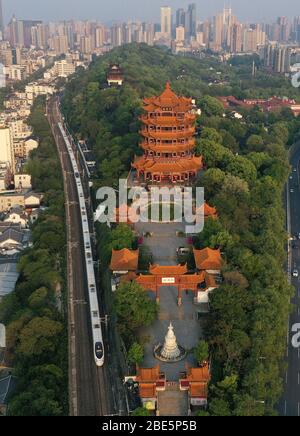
89, 393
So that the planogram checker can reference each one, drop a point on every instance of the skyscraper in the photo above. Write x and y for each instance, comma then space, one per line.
236, 38
218, 31
1, 18
166, 21
191, 20
180, 17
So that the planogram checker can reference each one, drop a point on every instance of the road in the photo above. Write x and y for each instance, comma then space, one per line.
290, 403
88, 385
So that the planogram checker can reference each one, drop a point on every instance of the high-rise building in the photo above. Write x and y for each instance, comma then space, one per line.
86, 44
180, 34
99, 36
180, 17
277, 57
16, 32
16, 56
191, 20
236, 38
296, 29
166, 21
117, 35
284, 29
1, 19
60, 44
218, 32
6, 147
282, 60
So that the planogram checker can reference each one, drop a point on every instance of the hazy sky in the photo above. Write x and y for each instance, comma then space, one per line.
107, 10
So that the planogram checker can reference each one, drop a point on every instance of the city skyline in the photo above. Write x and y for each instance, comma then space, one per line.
116, 10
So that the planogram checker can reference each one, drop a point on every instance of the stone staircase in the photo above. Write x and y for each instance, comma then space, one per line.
172, 402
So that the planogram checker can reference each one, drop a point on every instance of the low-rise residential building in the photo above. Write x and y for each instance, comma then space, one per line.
17, 215
5, 176
16, 101
22, 149
20, 130
11, 199
37, 89
63, 68
16, 73
22, 181
12, 239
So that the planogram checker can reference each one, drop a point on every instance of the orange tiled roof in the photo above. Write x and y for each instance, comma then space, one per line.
129, 277
210, 281
168, 99
172, 165
159, 270
199, 390
208, 259
146, 280
201, 374
148, 374
147, 390
209, 211
124, 260
193, 279
199, 379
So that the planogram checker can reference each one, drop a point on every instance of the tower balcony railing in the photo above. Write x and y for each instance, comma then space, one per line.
164, 120
186, 133
168, 147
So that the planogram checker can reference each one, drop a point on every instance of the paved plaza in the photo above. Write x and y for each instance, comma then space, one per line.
163, 245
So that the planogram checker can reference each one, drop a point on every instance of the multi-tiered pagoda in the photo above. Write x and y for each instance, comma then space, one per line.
168, 133
115, 76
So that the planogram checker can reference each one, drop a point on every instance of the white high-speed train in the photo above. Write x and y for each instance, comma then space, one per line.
91, 280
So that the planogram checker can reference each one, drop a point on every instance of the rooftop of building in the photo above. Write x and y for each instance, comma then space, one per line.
208, 259
162, 165
8, 277
168, 100
168, 271
12, 234
124, 260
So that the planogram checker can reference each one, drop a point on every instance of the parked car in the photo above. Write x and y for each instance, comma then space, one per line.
181, 251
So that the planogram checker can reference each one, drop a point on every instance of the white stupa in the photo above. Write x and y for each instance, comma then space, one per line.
170, 349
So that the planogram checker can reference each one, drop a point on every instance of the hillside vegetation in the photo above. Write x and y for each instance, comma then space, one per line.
247, 167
